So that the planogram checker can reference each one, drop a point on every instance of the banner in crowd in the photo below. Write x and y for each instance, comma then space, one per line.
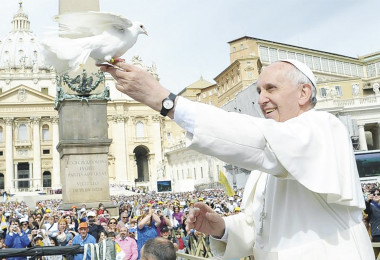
227, 187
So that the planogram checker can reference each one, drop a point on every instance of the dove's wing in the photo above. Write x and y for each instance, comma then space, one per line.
85, 24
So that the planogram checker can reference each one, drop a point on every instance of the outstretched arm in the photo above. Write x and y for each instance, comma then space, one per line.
139, 85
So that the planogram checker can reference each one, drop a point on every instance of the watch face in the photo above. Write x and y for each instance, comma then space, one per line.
168, 104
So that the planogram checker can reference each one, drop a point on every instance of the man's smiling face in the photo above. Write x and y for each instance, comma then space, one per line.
278, 94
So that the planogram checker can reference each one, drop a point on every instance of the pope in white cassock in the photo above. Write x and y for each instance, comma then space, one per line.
303, 199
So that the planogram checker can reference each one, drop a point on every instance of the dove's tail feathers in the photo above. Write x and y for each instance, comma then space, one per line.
64, 54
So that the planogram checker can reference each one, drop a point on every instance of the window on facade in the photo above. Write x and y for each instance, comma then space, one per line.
371, 71
325, 65
339, 66
346, 67
292, 55
322, 92
354, 71
140, 130
317, 63
45, 151
23, 173
168, 135
309, 61
241, 46
1, 181
201, 172
282, 54
300, 57
1, 153
22, 132
250, 75
332, 66
338, 90
378, 68
1, 135
234, 49
46, 182
45, 133
273, 55
264, 56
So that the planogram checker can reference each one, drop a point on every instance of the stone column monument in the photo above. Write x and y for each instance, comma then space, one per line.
83, 142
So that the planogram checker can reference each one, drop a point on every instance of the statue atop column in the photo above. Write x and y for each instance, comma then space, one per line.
82, 85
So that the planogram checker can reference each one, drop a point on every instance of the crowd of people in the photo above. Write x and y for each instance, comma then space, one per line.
140, 218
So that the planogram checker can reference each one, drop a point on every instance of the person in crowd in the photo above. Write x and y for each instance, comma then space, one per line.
49, 224
15, 238
72, 222
181, 242
165, 222
83, 238
177, 217
146, 227
103, 223
100, 209
24, 224
158, 249
373, 212
111, 235
94, 227
127, 244
102, 235
112, 225
300, 157
63, 235
123, 220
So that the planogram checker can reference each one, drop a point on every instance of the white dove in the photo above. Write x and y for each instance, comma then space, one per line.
102, 36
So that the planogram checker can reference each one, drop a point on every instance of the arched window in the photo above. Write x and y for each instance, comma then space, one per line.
140, 130
22, 132
46, 182
45, 133
1, 135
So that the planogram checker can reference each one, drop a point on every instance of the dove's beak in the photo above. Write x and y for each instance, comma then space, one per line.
145, 32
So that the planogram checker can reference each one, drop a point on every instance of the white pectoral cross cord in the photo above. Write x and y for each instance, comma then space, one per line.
263, 214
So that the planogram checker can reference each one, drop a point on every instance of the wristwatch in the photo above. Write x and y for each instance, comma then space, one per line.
167, 104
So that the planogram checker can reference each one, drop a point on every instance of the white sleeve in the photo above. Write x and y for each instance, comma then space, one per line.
184, 114
237, 241
231, 137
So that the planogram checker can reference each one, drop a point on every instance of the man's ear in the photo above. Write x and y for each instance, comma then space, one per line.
305, 94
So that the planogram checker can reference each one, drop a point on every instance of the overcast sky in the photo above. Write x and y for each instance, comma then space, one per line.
188, 38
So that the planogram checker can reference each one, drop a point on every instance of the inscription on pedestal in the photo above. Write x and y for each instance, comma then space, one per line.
86, 178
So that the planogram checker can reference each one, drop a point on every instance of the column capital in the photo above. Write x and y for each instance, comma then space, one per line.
118, 119
54, 119
35, 120
8, 120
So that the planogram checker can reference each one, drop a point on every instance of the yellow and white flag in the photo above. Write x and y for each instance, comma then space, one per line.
227, 187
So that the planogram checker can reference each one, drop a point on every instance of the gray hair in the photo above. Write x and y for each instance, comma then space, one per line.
158, 249
299, 78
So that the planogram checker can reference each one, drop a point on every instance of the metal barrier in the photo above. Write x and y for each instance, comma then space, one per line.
41, 251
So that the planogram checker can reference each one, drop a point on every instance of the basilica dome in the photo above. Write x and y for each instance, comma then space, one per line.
20, 49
